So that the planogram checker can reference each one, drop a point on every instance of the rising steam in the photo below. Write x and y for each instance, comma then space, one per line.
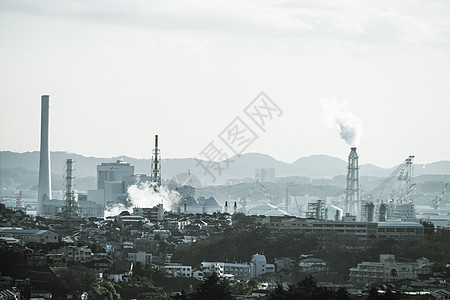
145, 195
345, 123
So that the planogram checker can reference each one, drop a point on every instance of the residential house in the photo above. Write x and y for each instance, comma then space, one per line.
387, 269
142, 257
121, 271
313, 265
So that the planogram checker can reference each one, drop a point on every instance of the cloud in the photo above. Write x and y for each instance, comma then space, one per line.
342, 20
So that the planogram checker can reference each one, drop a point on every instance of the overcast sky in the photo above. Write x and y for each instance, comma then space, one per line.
119, 72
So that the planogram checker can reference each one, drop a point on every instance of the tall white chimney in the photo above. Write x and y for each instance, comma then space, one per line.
45, 188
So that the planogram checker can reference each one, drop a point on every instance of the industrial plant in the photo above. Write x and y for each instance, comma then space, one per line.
134, 224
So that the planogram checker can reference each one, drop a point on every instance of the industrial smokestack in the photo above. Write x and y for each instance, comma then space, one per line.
352, 189
226, 207
156, 164
370, 212
383, 212
45, 188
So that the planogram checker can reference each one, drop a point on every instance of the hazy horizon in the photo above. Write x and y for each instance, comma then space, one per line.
247, 153
340, 73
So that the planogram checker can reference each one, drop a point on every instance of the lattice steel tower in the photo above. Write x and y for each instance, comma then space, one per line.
70, 210
352, 190
156, 164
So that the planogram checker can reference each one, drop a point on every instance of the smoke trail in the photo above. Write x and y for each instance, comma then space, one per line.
346, 124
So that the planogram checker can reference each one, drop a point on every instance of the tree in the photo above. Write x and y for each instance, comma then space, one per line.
78, 279
373, 294
213, 288
103, 290
308, 289
428, 228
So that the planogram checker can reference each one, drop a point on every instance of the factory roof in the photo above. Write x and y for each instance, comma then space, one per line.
211, 201
313, 260
276, 212
190, 201
399, 224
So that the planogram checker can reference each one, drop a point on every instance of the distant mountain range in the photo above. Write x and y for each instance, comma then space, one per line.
315, 166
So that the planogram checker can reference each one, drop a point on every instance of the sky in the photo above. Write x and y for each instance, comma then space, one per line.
119, 72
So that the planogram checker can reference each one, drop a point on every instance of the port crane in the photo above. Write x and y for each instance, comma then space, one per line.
438, 199
401, 181
269, 197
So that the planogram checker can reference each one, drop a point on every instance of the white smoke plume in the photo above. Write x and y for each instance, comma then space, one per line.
116, 209
145, 195
345, 123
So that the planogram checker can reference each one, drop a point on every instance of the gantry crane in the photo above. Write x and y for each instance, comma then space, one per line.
437, 200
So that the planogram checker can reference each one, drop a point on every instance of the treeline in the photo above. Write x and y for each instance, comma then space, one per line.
307, 289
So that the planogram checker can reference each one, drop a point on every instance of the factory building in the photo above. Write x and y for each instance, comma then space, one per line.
266, 209
200, 205
113, 180
360, 229
265, 175
387, 269
30, 235
118, 171
154, 214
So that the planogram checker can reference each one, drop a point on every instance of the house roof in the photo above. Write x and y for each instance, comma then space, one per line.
17, 230
313, 260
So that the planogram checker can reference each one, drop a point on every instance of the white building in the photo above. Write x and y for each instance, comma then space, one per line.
229, 270
259, 266
313, 265
78, 254
387, 269
154, 214
178, 271
142, 257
